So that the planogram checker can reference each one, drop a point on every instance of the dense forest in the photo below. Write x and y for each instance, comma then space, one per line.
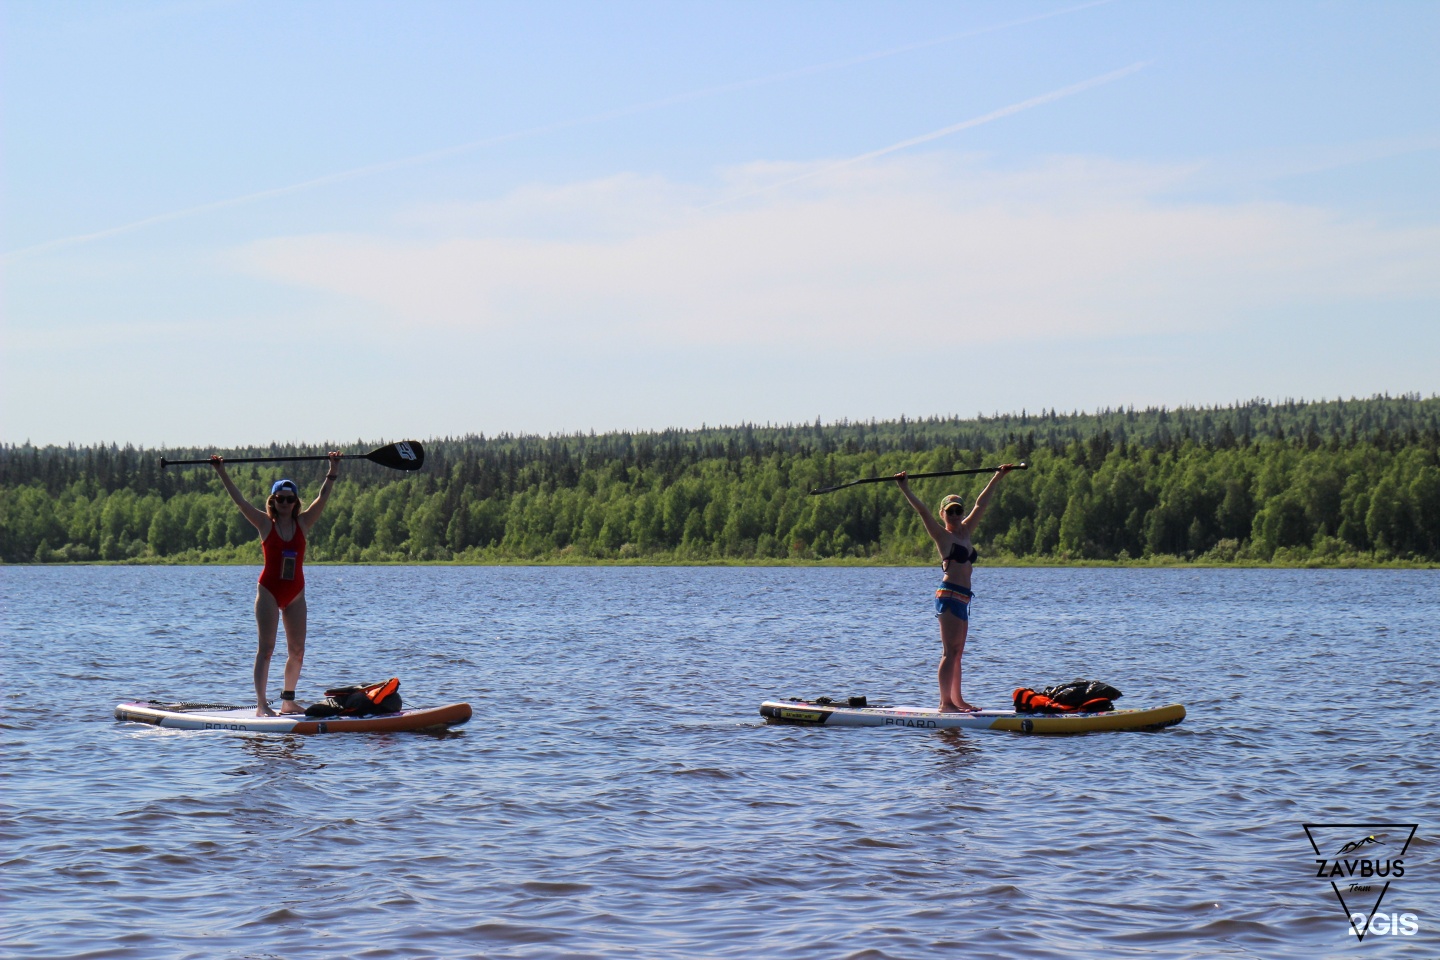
1334, 482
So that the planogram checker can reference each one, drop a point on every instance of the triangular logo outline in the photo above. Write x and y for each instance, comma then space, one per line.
1370, 830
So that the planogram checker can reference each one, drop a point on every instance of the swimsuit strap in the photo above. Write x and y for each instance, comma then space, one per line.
275, 532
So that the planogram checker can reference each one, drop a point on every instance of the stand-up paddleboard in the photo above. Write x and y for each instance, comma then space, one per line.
184, 717
928, 718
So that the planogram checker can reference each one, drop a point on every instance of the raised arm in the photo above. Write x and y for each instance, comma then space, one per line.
937, 531
258, 518
312, 512
972, 520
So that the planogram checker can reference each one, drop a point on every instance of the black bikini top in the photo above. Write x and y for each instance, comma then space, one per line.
961, 553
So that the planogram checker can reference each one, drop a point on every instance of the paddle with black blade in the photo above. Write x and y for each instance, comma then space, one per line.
917, 476
401, 455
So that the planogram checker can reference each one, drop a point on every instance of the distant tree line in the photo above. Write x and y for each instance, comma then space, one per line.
1331, 482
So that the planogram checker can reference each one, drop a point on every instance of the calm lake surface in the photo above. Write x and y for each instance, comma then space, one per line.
617, 795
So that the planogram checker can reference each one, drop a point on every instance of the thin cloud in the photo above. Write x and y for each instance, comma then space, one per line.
558, 126
1011, 110
909, 247
1298, 161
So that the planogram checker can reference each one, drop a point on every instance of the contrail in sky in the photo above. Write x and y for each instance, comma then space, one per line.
615, 114
1014, 108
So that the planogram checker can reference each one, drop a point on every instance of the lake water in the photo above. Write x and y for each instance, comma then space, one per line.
617, 795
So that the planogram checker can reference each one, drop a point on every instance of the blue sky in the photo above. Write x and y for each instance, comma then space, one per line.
232, 223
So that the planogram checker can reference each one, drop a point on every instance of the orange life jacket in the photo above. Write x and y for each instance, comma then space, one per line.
381, 697
1031, 701
377, 692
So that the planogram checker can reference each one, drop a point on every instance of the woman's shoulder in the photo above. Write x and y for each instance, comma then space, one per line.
958, 541
948, 543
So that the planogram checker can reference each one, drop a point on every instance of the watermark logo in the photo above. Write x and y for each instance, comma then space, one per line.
1360, 861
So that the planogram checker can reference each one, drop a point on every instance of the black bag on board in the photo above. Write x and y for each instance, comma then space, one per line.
1076, 692
359, 701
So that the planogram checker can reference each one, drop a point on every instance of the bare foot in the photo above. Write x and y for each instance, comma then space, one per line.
291, 706
962, 708
264, 711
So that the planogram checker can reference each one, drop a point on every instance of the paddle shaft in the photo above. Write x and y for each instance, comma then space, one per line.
916, 476
401, 455
185, 463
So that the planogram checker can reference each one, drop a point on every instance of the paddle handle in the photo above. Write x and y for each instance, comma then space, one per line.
187, 463
950, 473
918, 476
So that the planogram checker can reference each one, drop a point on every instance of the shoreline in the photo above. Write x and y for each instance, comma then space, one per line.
1157, 563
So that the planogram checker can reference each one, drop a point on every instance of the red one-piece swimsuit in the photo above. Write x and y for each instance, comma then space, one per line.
284, 574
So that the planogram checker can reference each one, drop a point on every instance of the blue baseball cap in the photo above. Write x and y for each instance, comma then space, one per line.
279, 485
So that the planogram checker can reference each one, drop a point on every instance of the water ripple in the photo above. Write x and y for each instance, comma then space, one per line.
617, 796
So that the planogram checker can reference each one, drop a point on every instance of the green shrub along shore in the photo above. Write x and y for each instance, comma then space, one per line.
1332, 483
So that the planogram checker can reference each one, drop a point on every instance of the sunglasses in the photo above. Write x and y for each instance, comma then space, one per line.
286, 498
953, 509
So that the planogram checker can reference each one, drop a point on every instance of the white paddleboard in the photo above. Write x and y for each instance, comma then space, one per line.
929, 718
200, 718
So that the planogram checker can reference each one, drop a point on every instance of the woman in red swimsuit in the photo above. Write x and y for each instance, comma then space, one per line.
281, 595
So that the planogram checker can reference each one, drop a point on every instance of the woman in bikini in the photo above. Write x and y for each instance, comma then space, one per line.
282, 526
957, 557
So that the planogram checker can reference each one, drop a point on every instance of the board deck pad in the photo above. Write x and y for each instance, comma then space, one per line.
182, 717
929, 718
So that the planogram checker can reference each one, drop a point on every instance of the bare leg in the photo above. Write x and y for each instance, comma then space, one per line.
294, 617
953, 632
267, 623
